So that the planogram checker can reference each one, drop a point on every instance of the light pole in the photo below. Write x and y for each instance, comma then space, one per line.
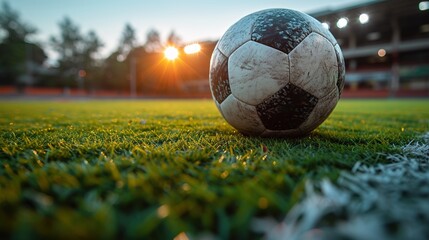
133, 63
396, 38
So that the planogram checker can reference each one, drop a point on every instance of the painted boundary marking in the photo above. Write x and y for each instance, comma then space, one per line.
385, 201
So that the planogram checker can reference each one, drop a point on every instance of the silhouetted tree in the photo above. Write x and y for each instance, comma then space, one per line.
153, 41
173, 39
16, 30
116, 66
128, 40
114, 74
77, 53
20, 60
91, 46
67, 46
90, 63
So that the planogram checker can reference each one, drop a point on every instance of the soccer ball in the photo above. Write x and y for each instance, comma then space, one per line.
276, 72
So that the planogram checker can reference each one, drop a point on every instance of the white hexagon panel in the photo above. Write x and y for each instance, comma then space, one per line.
257, 71
313, 65
242, 116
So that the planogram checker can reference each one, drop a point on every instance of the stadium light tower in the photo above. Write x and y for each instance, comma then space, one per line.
342, 22
363, 18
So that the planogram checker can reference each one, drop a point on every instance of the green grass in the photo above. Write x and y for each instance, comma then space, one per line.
153, 169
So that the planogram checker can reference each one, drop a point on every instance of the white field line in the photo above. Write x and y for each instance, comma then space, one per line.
386, 201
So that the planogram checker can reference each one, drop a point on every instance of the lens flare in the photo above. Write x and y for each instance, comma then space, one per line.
171, 53
192, 48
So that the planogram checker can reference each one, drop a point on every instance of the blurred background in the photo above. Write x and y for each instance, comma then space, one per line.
145, 49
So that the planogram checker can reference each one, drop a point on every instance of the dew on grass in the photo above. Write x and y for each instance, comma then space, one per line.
163, 211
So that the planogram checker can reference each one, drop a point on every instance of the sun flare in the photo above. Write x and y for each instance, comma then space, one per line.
171, 53
192, 48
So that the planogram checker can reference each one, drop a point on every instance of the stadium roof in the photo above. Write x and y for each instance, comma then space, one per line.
328, 11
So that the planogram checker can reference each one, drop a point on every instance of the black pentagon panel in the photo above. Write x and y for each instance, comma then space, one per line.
341, 70
219, 81
317, 27
282, 29
286, 109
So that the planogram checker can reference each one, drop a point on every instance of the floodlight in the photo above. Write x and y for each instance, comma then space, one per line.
363, 18
342, 22
423, 6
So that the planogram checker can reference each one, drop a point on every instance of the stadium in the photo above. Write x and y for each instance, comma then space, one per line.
385, 45
247, 135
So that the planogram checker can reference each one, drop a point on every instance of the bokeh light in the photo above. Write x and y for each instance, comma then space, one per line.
82, 73
363, 18
342, 22
192, 48
381, 52
424, 5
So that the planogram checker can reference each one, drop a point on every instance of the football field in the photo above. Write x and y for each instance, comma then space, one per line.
160, 169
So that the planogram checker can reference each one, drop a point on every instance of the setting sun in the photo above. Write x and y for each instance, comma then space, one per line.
171, 53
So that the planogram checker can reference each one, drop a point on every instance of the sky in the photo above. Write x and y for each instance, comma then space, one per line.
192, 20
